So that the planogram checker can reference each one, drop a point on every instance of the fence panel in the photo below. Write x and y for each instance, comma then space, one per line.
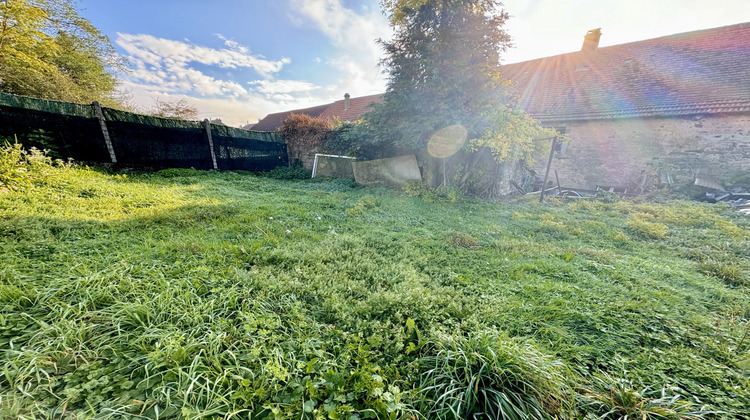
138, 139
71, 128
241, 149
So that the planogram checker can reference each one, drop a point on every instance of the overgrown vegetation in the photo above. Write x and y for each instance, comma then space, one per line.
443, 65
304, 134
189, 294
47, 50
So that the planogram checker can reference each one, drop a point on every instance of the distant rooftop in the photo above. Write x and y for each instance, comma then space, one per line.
691, 73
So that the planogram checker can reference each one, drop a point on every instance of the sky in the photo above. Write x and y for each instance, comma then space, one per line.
240, 60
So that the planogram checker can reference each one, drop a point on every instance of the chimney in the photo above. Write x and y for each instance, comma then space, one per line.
591, 39
346, 101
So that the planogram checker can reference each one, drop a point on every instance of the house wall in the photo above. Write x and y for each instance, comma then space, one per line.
620, 152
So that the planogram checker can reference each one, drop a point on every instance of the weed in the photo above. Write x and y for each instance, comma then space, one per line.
732, 273
20, 167
178, 172
651, 230
490, 376
419, 189
363, 204
460, 239
617, 399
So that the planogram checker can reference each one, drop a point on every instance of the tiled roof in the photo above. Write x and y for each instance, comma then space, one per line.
273, 121
357, 107
700, 72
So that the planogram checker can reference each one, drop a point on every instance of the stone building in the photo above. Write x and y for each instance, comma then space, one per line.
662, 109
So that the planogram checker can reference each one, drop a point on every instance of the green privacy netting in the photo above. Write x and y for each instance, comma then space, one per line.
45, 105
72, 130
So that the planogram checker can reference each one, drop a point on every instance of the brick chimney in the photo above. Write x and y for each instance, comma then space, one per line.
591, 39
346, 101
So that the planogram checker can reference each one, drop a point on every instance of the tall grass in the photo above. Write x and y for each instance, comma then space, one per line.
189, 294
487, 376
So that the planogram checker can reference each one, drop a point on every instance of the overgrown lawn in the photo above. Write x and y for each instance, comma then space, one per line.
187, 294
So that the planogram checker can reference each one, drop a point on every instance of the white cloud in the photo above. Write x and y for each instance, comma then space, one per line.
147, 49
174, 69
354, 36
165, 69
270, 87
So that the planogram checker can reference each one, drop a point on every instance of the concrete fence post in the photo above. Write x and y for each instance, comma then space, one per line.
207, 124
105, 131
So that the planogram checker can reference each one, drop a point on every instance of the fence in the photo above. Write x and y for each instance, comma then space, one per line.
97, 134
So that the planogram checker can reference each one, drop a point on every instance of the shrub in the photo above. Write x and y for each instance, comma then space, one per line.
19, 167
304, 134
490, 376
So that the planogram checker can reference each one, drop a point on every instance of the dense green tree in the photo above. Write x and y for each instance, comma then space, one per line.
48, 50
444, 68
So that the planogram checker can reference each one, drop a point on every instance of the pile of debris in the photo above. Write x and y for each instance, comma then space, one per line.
738, 196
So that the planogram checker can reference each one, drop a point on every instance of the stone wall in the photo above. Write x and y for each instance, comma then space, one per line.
305, 156
620, 152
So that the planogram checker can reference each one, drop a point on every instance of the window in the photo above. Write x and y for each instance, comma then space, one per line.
561, 148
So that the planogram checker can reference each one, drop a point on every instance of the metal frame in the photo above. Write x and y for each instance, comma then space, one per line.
315, 162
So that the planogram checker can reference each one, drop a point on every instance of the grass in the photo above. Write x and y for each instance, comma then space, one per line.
189, 294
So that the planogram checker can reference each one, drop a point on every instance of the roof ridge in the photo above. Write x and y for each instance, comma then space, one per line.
675, 35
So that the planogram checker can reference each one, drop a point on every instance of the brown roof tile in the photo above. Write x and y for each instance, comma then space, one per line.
357, 108
272, 122
698, 72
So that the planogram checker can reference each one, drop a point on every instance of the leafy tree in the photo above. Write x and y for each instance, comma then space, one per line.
48, 50
397, 10
444, 69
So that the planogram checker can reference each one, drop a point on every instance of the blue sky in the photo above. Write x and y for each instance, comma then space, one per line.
239, 60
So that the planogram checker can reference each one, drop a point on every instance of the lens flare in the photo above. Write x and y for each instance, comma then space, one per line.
446, 141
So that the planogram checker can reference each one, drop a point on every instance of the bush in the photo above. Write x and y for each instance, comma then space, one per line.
304, 134
19, 167
490, 376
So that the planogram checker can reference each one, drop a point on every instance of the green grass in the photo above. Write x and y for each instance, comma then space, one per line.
192, 294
